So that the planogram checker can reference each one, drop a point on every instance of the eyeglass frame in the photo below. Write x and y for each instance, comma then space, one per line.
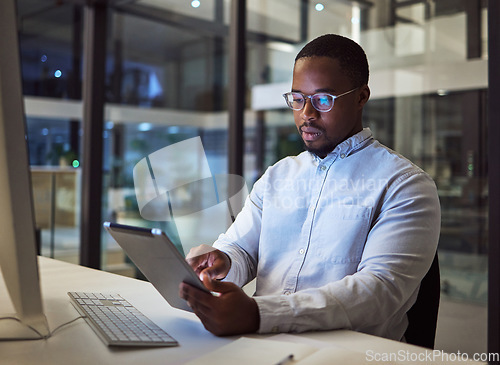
313, 95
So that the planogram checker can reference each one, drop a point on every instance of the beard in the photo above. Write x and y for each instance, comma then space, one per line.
322, 150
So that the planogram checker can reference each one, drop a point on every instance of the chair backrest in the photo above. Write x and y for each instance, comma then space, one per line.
422, 316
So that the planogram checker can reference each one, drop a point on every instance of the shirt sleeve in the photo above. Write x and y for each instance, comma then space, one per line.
241, 241
398, 252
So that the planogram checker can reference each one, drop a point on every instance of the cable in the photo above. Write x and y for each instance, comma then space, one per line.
27, 325
42, 337
67, 323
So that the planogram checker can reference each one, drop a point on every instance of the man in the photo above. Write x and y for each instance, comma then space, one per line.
339, 236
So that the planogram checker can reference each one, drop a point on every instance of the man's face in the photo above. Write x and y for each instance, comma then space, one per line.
323, 131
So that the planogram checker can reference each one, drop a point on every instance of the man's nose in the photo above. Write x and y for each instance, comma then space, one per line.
309, 111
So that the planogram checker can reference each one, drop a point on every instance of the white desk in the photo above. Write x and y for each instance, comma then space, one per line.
78, 344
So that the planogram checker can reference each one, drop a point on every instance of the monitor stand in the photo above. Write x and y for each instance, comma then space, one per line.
11, 329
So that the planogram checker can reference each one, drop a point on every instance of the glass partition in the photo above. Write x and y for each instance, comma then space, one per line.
50, 43
55, 177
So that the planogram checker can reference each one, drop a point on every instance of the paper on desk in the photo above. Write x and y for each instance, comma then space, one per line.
253, 351
335, 355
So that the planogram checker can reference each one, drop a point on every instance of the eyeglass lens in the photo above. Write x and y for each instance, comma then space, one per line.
319, 101
322, 101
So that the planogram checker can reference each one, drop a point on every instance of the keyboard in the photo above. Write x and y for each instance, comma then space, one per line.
117, 322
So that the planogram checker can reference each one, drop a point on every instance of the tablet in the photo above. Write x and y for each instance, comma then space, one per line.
158, 259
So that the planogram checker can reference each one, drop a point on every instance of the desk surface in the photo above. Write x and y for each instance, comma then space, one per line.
78, 344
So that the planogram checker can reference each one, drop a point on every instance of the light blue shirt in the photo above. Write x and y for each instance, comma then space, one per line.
339, 242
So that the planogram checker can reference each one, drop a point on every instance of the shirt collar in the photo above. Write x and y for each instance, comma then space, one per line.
349, 145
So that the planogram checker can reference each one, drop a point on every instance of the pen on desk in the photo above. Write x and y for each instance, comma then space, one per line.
286, 360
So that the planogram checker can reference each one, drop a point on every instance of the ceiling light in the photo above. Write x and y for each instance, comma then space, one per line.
144, 127
282, 47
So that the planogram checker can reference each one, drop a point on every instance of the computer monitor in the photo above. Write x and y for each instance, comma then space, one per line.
18, 259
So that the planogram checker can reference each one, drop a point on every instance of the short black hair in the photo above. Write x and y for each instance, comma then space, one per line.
351, 57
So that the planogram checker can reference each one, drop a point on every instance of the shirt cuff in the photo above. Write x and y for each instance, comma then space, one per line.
234, 275
275, 314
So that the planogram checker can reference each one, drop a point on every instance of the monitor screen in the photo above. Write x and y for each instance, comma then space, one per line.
18, 260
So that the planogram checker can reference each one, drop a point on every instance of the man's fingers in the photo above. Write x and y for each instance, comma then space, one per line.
197, 299
212, 271
203, 306
231, 312
216, 285
206, 258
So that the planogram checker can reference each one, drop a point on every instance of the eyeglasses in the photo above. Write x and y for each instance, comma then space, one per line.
322, 102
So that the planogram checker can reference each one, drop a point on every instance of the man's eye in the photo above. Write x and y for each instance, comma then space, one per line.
323, 99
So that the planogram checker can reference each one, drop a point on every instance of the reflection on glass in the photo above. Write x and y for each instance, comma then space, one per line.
125, 147
53, 151
445, 135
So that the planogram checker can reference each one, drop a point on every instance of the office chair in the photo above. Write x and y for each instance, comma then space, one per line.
422, 316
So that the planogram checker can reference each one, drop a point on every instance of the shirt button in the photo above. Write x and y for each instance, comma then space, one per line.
342, 155
323, 168
301, 251
287, 293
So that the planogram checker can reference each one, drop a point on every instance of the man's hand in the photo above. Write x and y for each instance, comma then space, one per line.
231, 312
210, 261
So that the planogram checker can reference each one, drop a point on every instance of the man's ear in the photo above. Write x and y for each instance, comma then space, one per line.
364, 95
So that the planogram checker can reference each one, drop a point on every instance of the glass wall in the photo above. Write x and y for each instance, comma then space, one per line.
167, 80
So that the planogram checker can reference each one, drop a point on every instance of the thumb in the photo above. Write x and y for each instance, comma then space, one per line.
215, 271
212, 271
217, 285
